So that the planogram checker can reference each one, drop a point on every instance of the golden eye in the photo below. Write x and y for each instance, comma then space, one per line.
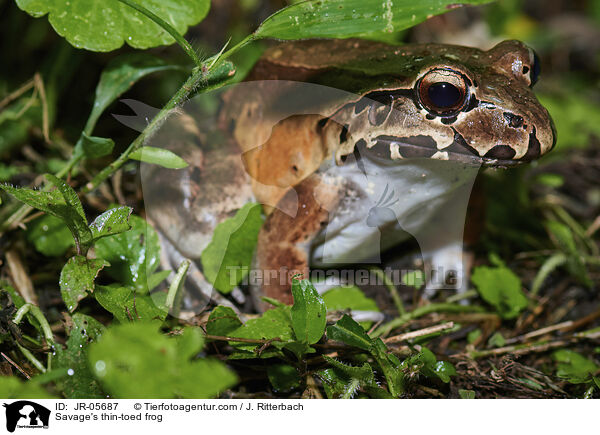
442, 92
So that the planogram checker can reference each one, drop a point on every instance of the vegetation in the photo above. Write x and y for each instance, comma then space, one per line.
86, 310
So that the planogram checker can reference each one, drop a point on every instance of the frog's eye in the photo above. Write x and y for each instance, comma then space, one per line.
442, 91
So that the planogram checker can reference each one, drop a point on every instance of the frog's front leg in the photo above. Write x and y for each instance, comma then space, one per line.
285, 238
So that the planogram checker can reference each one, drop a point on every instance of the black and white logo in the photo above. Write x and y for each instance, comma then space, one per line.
25, 414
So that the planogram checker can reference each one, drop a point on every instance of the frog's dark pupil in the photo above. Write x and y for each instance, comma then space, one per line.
443, 94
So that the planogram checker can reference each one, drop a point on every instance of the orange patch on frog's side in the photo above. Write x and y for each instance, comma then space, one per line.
293, 151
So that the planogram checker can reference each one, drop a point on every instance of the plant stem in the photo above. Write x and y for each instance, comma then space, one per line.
32, 359
174, 295
175, 101
391, 288
37, 313
168, 28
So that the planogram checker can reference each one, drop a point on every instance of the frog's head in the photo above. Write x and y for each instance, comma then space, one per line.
454, 103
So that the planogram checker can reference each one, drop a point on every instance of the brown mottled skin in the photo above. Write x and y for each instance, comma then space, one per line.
385, 103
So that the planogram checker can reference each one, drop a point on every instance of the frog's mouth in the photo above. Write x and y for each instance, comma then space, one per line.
459, 151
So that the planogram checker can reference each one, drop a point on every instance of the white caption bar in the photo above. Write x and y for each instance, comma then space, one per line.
300, 416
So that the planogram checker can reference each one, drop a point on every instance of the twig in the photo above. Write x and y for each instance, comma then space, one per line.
419, 333
541, 331
16, 94
593, 227
20, 276
520, 349
39, 84
426, 309
242, 340
15, 365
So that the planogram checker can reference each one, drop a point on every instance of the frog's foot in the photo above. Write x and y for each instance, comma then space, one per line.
447, 268
284, 241
199, 293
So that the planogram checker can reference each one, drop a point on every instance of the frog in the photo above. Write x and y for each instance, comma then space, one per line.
350, 146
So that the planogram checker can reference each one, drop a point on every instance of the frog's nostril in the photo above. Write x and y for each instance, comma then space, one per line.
501, 152
515, 121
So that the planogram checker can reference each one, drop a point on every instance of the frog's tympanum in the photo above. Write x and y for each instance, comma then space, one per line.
350, 146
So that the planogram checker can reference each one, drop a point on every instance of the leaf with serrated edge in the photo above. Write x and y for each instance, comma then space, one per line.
127, 305
222, 321
348, 331
77, 279
140, 362
80, 384
133, 255
113, 221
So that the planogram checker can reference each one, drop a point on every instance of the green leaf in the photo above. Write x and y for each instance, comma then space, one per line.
337, 385
80, 382
390, 366
350, 18
134, 361
283, 377
363, 373
496, 340
159, 156
348, 331
425, 362
577, 116
275, 323
348, 298
299, 348
473, 336
501, 288
49, 235
127, 305
112, 221
77, 279
222, 321
133, 255
564, 239
574, 367
551, 180
414, 279
69, 195
443, 370
103, 25
227, 258
156, 278
120, 75
62, 203
308, 312
13, 388
466, 394
94, 147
